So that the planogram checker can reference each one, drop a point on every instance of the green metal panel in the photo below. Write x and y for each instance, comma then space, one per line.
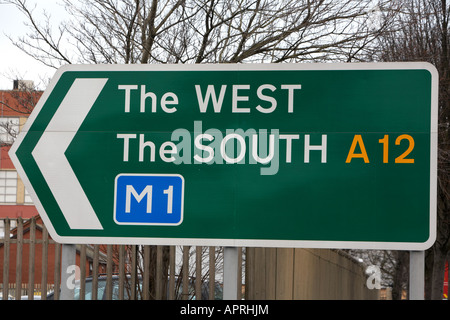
328, 201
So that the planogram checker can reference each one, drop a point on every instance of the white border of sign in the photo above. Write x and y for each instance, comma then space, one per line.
246, 242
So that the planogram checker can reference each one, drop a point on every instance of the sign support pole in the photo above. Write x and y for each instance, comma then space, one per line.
230, 274
68, 261
416, 275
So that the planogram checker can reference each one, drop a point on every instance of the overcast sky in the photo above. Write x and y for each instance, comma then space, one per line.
12, 60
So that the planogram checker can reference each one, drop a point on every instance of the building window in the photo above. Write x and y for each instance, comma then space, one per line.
9, 128
8, 186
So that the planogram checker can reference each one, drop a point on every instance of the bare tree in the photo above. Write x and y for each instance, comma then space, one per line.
202, 31
422, 34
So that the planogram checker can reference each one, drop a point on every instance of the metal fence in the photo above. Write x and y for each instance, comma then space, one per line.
30, 261
30, 268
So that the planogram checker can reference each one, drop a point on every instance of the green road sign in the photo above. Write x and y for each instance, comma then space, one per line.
275, 155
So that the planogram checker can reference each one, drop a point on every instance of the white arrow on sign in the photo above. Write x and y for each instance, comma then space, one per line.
51, 160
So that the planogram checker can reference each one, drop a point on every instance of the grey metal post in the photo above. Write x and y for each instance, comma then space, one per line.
68, 268
416, 275
230, 274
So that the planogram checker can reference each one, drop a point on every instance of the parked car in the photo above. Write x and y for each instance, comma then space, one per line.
35, 297
101, 291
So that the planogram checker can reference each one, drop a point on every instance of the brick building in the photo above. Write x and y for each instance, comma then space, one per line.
15, 107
